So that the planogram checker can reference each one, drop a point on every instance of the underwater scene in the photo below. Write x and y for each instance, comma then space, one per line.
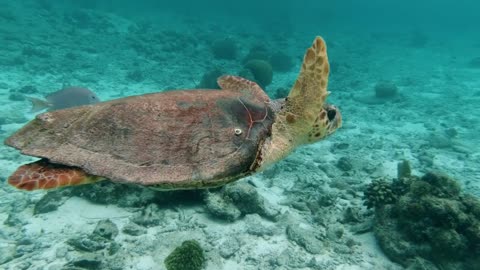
247, 135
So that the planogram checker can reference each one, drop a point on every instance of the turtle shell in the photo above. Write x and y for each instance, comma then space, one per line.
175, 139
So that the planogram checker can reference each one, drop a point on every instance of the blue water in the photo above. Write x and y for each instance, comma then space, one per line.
404, 74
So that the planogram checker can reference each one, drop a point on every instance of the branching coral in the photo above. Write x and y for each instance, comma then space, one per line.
209, 79
379, 193
261, 70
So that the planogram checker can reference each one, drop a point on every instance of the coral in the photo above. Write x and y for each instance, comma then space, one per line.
247, 74
404, 170
100, 239
281, 62
220, 207
344, 164
442, 186
472, 205
232, 201
261, 70
106, 229
385, 89
188, 256
224, 49
258, 52
401, 186
379, 193
209, 79
474, 63
430, 219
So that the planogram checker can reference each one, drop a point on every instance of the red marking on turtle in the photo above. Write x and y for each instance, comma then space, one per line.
250, 120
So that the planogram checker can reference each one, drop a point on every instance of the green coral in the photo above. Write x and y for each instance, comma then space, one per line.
188, 256
258, 52
261, 71
209, 79
429, 218
381, 192
401, 186
441, 185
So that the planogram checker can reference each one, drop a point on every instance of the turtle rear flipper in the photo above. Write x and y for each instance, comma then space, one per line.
45, 175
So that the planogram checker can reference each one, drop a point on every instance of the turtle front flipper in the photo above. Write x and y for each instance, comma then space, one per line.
304, 117
45, 175
306, 111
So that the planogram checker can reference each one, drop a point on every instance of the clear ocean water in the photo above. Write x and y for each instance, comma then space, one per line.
397, 186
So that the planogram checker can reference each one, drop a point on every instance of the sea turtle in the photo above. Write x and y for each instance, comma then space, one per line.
183, 139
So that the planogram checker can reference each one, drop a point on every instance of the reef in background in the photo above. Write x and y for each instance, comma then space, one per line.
428, 218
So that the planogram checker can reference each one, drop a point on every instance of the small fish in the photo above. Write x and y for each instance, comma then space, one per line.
64, 98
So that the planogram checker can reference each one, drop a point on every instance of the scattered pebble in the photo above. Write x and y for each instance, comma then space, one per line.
305, 238
133, 229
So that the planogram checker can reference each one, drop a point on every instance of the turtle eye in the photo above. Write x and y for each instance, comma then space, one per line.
331, 113
238, 131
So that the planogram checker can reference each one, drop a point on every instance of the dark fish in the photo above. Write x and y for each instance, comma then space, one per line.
65, 98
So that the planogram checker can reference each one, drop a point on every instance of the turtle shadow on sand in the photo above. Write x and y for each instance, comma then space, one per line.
384, 92
227, 203
127, 196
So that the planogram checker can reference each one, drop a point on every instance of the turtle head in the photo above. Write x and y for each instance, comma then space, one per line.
333, 118
328, 120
